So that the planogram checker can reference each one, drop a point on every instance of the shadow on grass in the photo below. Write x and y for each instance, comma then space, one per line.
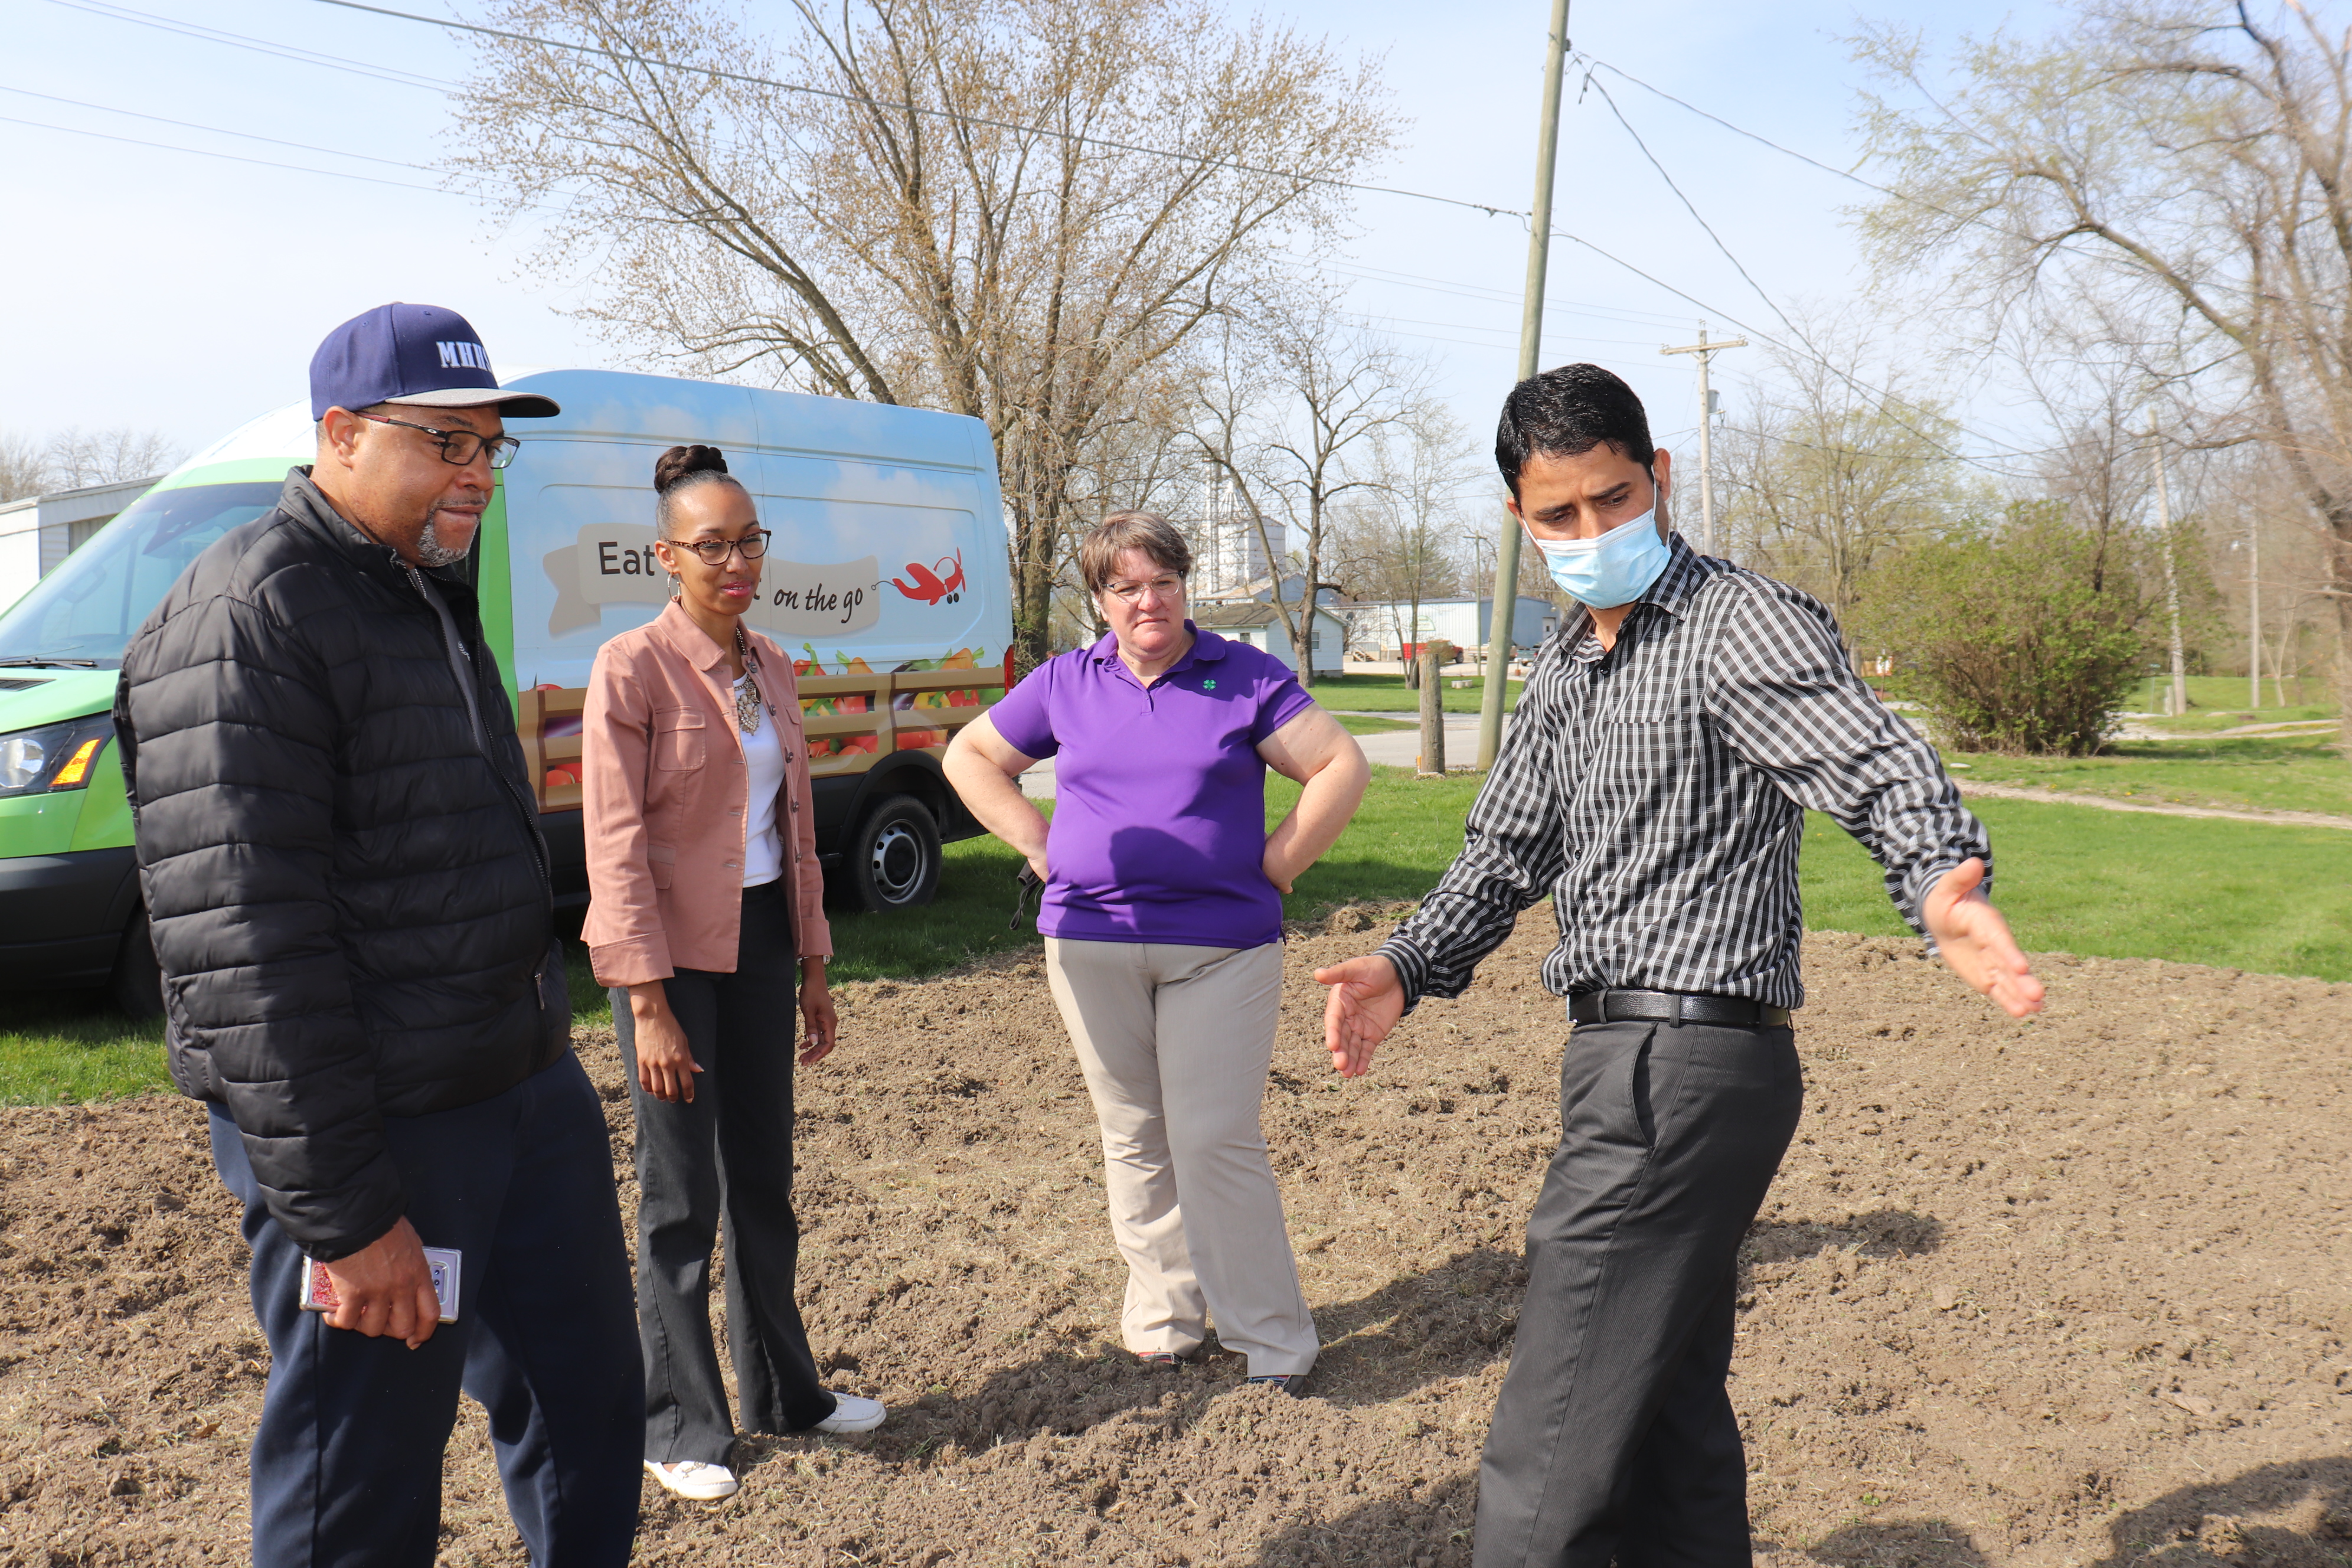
1448, 1322
1907, 1544
1428, 1526
2292, 1515
2308, 1503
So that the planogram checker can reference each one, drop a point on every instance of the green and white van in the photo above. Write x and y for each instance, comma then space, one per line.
887, 573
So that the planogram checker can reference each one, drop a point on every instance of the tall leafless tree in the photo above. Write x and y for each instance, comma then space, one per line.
1020, 210
1302, 395
1833, 466
2184, 159
1402, 539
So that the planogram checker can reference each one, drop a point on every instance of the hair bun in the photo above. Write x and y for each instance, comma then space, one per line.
679, 461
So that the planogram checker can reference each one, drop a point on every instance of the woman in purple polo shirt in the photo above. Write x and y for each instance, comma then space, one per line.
1163, 921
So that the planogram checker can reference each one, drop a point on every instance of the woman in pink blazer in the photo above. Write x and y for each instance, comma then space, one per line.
705, 895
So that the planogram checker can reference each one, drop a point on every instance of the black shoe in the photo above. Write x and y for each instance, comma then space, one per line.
1293, 1384
1159, 1361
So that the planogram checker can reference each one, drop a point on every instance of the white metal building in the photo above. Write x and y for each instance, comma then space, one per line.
1380, 630
36, 532
1261, 625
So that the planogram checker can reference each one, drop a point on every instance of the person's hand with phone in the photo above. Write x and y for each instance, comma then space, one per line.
385, 1288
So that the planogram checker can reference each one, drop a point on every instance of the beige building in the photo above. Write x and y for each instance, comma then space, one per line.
38, 533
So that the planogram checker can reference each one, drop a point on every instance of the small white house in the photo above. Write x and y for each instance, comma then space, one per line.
1261, 625
1380, 629
38, 533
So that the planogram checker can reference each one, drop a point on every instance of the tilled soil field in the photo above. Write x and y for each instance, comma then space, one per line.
2068, 1291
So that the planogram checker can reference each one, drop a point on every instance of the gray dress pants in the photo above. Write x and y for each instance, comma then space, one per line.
727, 1155
1614, 1436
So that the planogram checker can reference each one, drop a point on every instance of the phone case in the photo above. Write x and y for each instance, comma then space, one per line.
318, 1287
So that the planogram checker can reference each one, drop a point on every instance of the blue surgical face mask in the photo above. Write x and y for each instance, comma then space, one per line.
1616, 569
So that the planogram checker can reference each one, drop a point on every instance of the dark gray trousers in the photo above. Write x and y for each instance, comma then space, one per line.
1614, 1436
727, 1155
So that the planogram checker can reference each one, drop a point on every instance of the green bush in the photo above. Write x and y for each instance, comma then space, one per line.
2025, 636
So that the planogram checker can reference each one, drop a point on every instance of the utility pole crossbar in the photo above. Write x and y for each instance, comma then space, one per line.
1707, 352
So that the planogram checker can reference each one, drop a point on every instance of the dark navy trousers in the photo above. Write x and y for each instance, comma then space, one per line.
347, 1464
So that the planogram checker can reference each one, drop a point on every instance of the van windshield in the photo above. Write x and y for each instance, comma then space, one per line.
86, 611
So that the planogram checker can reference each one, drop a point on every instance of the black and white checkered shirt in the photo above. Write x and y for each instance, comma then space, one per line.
1657, 791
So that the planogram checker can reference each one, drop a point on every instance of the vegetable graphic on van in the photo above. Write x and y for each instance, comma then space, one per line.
928, 586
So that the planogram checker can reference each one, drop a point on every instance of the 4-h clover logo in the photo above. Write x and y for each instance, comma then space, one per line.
1208, 685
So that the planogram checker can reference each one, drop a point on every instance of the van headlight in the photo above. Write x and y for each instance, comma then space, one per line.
53, 756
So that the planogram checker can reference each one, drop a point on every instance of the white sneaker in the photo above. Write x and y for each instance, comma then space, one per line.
693, 1478
852, 1413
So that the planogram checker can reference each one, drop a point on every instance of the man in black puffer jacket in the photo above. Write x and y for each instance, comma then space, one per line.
349, 901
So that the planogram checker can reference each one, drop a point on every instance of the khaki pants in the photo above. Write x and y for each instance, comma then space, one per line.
1175, 1043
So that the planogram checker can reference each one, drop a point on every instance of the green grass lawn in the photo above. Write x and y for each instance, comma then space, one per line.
2264, 772
2277, 899
2079, 880
1357, 724
2217, 701
71, 1045
1389, 694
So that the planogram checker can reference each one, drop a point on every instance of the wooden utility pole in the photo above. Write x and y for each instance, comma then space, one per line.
1430, 763
2255, 612
1531, 307
2171, 578
1706, 353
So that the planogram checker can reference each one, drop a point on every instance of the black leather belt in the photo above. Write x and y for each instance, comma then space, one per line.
1671, 1007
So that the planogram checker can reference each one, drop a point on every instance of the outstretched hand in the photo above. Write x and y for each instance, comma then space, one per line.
1974, 941
1366, 999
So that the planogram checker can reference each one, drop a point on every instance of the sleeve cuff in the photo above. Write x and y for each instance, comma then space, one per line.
633, 962
1410, 965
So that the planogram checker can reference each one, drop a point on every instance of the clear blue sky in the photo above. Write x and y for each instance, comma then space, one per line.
158, 287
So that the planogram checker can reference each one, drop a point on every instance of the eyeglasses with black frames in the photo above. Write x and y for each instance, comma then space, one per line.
460, 446
715, 551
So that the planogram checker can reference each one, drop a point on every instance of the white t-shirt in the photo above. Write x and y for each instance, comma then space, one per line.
763, 759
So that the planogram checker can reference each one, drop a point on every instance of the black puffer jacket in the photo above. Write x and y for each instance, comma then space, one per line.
349, 899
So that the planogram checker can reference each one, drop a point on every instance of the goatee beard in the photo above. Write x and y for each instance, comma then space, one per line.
431, 552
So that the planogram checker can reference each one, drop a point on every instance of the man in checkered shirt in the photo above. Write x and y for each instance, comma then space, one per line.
1653, 784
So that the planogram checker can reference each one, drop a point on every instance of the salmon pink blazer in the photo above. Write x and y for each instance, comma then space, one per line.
664, 796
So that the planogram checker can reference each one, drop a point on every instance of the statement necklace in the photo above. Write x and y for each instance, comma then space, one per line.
748, 701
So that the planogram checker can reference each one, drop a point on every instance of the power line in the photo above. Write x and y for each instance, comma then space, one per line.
214, 130
410, 78
232, 157
198, 31
634, 58
1364, 273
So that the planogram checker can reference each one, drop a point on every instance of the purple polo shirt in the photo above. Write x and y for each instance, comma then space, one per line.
1159, 794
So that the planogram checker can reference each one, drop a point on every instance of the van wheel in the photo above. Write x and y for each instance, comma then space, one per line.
137, 983
893, 861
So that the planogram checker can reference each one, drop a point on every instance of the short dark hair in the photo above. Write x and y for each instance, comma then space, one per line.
1148, 531
1567, 412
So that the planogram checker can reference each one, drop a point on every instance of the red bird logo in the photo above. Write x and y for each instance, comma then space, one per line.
928, 586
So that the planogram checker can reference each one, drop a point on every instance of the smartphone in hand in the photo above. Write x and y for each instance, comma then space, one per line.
318, 1286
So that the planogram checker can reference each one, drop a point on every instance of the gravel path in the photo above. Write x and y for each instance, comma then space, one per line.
2156, 808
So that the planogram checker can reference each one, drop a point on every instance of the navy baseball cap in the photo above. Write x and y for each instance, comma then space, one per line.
413, 354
